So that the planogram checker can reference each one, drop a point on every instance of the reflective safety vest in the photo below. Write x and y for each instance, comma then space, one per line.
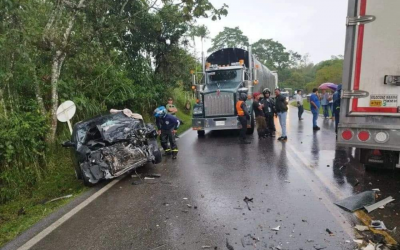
239, 109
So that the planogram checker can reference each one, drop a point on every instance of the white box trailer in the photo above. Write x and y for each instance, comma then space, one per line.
370, 107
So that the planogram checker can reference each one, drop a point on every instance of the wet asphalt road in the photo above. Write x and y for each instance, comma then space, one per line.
293, 185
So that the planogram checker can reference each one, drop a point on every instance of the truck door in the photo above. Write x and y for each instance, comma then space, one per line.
372, 58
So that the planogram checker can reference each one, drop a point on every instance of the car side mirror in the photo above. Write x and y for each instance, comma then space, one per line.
68, 144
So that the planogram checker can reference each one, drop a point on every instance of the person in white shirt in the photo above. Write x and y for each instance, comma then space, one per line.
299, 100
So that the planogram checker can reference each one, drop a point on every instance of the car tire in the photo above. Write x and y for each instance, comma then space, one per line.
250, 130
201, 132
157, 153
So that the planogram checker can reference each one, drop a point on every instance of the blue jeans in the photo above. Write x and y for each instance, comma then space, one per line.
326, 110
315, 117
282, 122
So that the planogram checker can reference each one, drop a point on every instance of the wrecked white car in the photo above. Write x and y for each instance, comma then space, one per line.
108, 146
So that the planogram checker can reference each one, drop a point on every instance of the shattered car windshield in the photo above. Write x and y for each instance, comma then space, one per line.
223, 76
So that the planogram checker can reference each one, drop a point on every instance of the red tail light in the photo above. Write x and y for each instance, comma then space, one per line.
363, 135
347, 135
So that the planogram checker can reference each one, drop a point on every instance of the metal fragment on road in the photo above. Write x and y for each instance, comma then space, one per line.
276, 228
377, 224
358, 241
361, 228
381, 203
357, 201
148, 178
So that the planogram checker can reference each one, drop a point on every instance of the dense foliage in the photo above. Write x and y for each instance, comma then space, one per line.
100, 54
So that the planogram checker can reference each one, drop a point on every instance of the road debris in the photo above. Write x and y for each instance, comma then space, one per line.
376, 189
247, 200
358, 241
189, 206
148, 178
276, 228
357, 201
228, 245
318, 247
154, 175
206, 247
329, 232
249, 240
361, 228
377, 224
59, 198
381, 203
185, 198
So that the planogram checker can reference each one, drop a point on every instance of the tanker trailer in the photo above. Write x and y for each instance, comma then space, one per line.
227, 73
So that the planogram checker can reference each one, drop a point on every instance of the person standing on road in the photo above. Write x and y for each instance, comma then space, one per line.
299, 100
269, 110
325, 103
243, 116
315, 105
167, 127
281, 109
172, 110
336, 105
260, 117
330, 105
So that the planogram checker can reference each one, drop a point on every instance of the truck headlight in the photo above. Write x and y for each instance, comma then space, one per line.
198, 110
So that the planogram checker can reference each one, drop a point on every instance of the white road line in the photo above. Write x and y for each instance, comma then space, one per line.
74, 211
68, 215
324, 198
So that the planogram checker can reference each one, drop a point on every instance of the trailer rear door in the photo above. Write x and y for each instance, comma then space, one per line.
375, 58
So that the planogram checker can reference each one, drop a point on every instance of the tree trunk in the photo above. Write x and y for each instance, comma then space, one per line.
3, 104
57, 62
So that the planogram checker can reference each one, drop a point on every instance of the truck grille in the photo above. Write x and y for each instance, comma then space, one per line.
219, 105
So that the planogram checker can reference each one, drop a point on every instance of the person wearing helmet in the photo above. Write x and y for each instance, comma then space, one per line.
243, 116
269, 110
259, 114
167, 127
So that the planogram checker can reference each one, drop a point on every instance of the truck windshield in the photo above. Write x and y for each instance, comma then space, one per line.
224, 76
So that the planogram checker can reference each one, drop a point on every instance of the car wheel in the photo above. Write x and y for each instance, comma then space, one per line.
85, 179
201, 132
157, 153
78, 172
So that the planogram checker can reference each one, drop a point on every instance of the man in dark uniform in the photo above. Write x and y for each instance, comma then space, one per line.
243, 116
269, 110
167, 127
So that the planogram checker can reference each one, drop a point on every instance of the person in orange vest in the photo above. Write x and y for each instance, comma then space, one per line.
243, 116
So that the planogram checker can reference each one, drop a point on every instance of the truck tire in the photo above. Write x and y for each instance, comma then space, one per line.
201, 133
250, 130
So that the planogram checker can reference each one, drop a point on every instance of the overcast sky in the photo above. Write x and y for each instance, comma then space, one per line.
316, 27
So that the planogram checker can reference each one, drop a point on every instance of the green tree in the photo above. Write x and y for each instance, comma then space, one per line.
229, 38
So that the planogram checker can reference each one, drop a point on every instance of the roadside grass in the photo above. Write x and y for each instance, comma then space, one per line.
21, 213
29, 207
306, 106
